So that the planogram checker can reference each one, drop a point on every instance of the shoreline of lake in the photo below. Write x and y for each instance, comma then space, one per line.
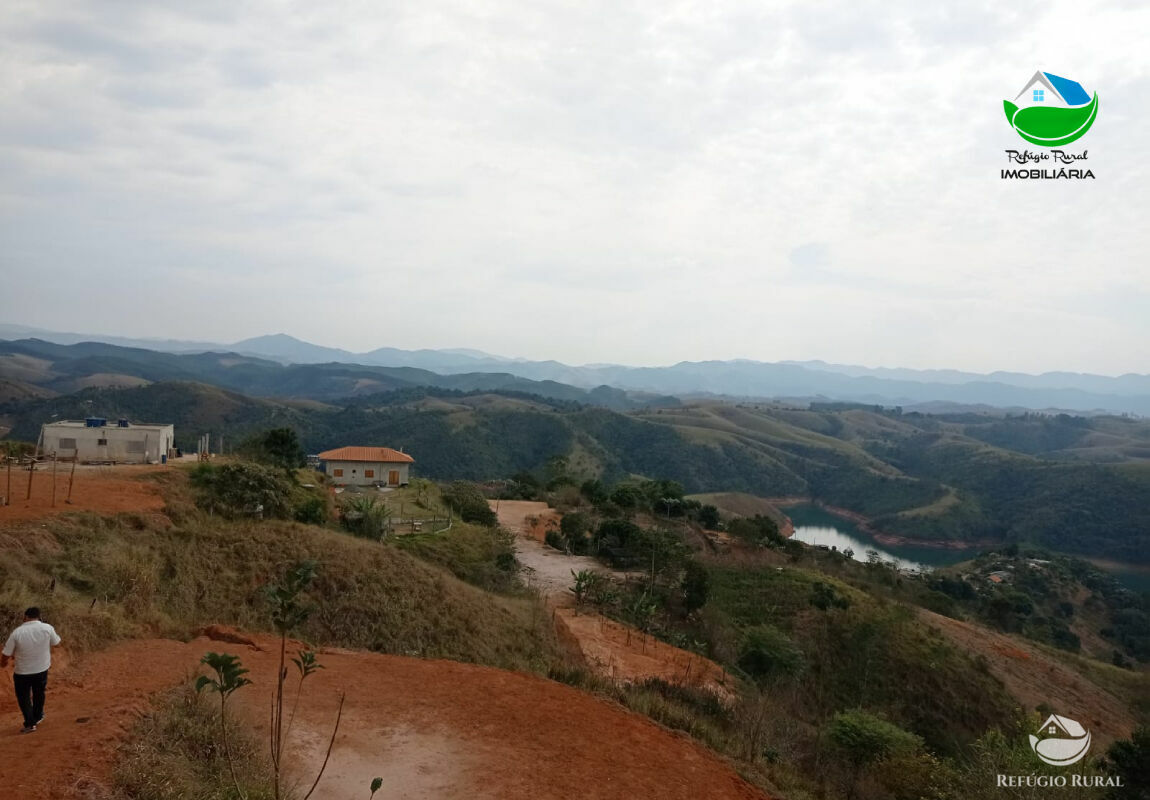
889, 539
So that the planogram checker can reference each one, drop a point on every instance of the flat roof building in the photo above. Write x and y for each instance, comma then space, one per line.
117, 442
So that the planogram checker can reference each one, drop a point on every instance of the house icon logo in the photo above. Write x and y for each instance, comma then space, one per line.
1051, 111
1064, 741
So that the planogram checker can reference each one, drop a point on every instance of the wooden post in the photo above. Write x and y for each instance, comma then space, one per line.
32, 468
8, 494
53, 479
72, 477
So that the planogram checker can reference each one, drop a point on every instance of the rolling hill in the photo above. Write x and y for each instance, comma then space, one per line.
919, 389
912, 475
61, 369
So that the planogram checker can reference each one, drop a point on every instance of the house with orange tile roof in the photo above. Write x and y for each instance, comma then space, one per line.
366, 466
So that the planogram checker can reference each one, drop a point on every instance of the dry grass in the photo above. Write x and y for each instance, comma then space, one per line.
99, 579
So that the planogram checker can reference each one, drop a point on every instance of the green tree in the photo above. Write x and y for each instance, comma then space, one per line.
278, 447
709, 517
1129, 759
574, 528
696, 586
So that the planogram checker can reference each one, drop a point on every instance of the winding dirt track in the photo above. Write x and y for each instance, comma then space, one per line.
435, 729
616, 651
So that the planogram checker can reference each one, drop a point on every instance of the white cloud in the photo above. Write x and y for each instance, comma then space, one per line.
640, 182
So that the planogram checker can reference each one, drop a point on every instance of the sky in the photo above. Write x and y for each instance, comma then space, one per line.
638, 183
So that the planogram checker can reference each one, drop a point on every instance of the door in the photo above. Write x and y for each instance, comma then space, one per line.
393, 477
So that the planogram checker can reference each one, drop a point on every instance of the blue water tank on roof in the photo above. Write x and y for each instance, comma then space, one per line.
122, 423
95, 422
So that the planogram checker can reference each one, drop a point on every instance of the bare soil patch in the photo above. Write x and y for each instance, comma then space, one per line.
430, 728
104, 490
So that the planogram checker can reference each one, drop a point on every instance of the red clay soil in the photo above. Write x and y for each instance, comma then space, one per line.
105, 490
429, 728
624, 654
528, 518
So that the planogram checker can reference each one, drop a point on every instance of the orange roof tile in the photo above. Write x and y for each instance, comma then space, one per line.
382, 454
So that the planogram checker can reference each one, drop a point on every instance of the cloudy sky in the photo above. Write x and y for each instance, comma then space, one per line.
587, 181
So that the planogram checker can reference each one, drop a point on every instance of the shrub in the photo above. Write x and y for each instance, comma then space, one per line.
366, 516
470, 503
311, 511
242, 489
767, 654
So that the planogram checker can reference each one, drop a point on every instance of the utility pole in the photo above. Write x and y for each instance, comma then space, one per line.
53, 479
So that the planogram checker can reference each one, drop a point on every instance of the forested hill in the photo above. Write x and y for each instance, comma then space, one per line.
31, 367
1074, 485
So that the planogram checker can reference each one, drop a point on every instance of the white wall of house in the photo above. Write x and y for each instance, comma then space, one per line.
367, 473
136, 444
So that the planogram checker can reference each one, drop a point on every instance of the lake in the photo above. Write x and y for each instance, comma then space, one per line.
815, 526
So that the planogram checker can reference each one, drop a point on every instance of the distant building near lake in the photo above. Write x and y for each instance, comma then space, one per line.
95, 439
366, 466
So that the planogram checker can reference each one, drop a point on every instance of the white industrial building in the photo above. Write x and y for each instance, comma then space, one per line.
366, 466
117, 442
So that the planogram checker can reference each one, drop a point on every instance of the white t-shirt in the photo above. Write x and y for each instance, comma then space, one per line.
32, 645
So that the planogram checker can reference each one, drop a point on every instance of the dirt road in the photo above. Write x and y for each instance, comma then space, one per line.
617, 651
429, 728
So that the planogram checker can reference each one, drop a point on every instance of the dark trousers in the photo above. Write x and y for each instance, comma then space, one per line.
30, 691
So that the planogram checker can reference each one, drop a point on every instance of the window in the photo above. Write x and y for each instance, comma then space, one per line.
101, 442
1040, 95
67, 444
369, 473
337, 473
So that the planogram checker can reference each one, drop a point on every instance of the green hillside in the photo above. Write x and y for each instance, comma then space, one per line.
913, 475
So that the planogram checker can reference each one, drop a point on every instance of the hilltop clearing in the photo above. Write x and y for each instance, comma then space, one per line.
431, 728
105, 490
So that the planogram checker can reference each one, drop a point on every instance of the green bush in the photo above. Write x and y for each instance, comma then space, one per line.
767, 654
242, 489
278, 447
470, 503
311, 511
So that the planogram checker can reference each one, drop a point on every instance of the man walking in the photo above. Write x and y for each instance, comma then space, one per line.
30, 646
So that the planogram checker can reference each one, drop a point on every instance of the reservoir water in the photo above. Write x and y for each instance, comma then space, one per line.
815, 526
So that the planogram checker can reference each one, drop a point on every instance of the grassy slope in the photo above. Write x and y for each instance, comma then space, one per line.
133, 576
872, 655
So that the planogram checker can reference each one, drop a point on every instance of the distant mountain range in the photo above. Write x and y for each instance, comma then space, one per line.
797, 380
